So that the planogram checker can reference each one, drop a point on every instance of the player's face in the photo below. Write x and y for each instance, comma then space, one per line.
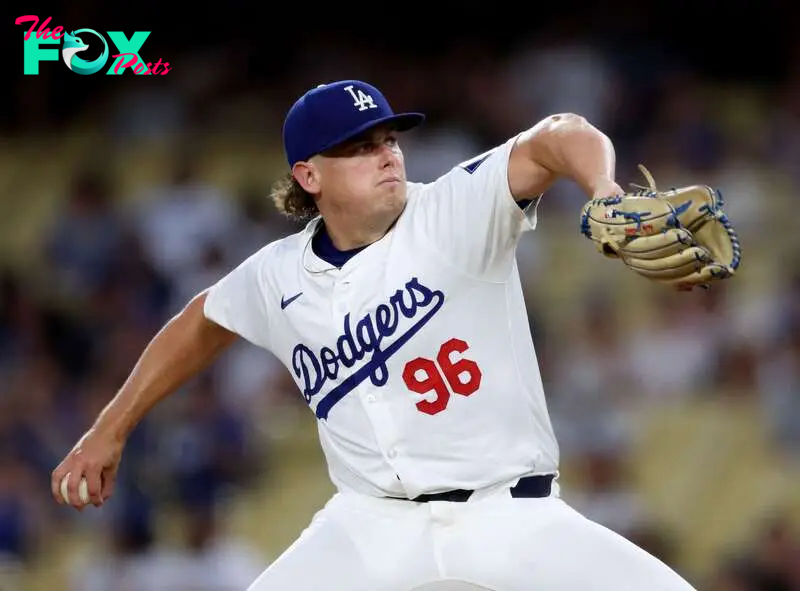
366, 174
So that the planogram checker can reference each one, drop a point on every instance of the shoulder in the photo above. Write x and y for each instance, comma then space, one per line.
490, 163
494, 158
294, 244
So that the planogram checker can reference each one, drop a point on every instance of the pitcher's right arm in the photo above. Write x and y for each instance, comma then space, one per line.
184, 347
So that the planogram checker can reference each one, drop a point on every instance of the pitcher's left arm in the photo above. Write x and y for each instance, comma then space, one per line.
564, 145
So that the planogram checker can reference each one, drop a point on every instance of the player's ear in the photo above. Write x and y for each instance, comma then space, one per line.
307, 175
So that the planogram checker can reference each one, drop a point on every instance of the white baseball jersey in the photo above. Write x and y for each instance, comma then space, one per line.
416, 355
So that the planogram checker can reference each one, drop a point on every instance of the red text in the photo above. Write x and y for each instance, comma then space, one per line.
462, 376
134, 61
43, 32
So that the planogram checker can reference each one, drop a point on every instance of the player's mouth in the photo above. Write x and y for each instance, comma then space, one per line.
391, 179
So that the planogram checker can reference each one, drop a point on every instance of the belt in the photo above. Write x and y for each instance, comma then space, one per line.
528, 487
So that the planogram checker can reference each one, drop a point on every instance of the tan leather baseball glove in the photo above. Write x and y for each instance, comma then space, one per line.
680, 237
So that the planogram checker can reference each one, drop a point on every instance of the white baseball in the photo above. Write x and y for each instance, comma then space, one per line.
83, 490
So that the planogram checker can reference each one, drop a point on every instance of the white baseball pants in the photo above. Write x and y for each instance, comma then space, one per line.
492, 542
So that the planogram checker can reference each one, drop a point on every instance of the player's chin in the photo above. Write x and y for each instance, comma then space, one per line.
394, 198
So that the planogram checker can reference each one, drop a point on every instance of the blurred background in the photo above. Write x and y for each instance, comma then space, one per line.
123, 196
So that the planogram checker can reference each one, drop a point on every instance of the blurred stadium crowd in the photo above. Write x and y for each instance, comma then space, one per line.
666, 405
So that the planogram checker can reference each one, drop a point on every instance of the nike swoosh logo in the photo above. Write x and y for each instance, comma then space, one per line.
285, 302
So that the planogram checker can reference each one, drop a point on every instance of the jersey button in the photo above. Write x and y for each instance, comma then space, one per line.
392, 453
370, 398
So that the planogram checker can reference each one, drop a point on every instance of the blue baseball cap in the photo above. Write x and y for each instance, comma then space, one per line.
331, 114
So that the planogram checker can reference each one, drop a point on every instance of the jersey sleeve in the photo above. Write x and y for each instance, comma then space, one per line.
471, 217
239, 300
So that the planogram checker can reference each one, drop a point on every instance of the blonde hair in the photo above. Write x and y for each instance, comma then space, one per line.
292, 200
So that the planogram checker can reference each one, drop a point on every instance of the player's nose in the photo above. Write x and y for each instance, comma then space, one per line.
389, 156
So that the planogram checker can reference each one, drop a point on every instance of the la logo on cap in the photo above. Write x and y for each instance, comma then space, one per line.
361, 99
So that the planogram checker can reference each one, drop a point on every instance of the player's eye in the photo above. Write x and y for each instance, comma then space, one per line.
365, 147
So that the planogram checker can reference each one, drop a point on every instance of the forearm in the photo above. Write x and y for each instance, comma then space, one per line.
568, 146
185, 346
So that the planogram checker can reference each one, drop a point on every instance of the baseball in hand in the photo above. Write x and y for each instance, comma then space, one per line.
83, 490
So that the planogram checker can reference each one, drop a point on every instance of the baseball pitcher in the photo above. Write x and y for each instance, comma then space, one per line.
398, 309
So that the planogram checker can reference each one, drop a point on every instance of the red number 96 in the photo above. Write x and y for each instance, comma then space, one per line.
447, 373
